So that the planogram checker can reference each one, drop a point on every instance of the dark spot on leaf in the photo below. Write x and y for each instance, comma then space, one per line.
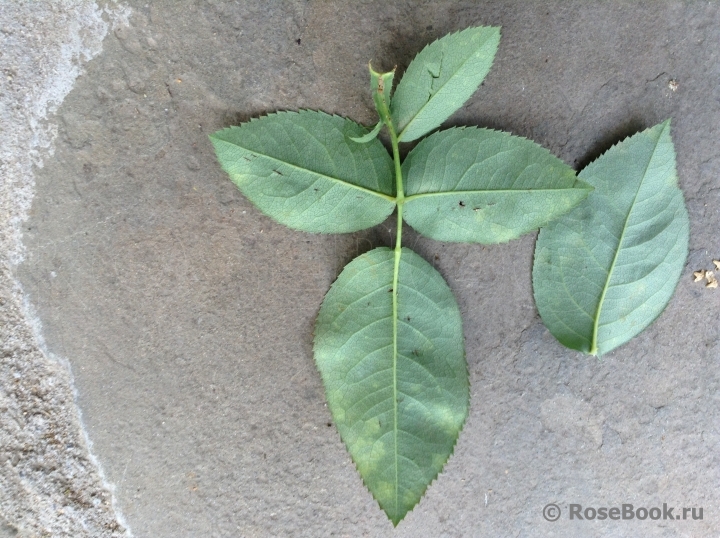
278, 172
390, 290
408, 318
461, 203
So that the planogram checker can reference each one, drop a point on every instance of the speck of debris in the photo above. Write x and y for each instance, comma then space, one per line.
711, 280
673, 85
708, 276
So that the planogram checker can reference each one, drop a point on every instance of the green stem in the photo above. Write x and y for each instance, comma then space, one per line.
381, 84
399, 200
400, 193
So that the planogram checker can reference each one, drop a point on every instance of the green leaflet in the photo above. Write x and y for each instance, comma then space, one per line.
302, 169
485, 186
608, 268
441, 78
395, 374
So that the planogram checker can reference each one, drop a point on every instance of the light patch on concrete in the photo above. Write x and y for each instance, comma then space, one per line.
51, 483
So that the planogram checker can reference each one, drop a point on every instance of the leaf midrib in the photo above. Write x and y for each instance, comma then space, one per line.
397, 253
596, 323
307, 170
488, 191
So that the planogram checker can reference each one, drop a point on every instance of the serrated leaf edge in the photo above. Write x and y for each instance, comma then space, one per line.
666, 124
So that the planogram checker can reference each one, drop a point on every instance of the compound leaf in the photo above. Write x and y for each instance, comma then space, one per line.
607, 269
389, 347
441, 78
485, 186
303, 170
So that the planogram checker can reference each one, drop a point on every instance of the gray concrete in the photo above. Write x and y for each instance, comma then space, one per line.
186, 316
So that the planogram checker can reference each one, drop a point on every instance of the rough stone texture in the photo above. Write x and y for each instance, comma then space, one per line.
49, 483
187, 315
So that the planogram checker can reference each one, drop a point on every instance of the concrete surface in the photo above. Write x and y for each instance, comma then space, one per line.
186, 316
49, 482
